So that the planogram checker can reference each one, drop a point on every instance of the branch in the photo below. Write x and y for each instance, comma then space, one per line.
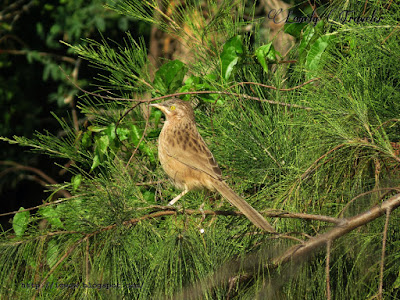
298, 252
45, 177
189, 93
39, 206
273, 87
44, 54
295, 254
384, 239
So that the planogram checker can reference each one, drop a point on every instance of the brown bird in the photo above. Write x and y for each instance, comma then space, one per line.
186, 158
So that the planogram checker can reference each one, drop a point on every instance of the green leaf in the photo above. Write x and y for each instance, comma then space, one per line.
231, 52
20, 222
317, 49
149, 196
94, 128
294, 29
110, 131
195, 83
135, 135
307, 35
123, 133
51, 215
96, 162
169, 76
157, 114
266, 54
87, 139
76, 181
396, 284
52, 252
102, 144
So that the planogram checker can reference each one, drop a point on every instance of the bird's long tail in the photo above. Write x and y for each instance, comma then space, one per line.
254, 216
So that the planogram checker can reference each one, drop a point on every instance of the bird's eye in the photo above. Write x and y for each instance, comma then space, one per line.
172, 107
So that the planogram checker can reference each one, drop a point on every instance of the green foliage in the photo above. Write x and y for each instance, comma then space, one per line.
324, 148
169, 76
20, 222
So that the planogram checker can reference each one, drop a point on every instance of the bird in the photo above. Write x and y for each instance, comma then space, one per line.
186, 159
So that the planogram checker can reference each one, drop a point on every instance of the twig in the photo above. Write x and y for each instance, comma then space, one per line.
391, 33
310, 169
87, 254
17, 166
328, 256
149, 183
140, 141
71, 98
384, 239
298, 252
303, 216
190, 93
39, 206
66, 254
25, 52
364, 194
273, 87
294, 254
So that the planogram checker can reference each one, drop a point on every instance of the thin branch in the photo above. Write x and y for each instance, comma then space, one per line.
141, 139
45, 177
39, 206
327, 268
66, 254
71, 98
310, 169
149, 183
384, 239
87, 256
364, 194
267, 213
295, 254
303, 216
44, 54
190, 93
273, 87
298, 252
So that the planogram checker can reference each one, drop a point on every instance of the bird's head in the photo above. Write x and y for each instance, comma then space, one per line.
175, 109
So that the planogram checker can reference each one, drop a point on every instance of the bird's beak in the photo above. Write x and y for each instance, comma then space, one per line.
155, 105
160, 106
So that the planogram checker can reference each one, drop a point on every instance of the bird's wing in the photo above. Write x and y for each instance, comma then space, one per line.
188, 147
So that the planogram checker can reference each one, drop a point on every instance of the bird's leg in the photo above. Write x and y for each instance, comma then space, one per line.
172, 202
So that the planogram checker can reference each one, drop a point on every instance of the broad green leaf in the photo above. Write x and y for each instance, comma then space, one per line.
110, 131
20, 222
87, 139
232, 51
169, 76
317, 49
396, 284
94, 128
195, 83
266, 54
96, 162
123, 133
102, 144
157, 114
135, 135
294, 29
307, 35
52, 252
149, 196
51, 215
76, 181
